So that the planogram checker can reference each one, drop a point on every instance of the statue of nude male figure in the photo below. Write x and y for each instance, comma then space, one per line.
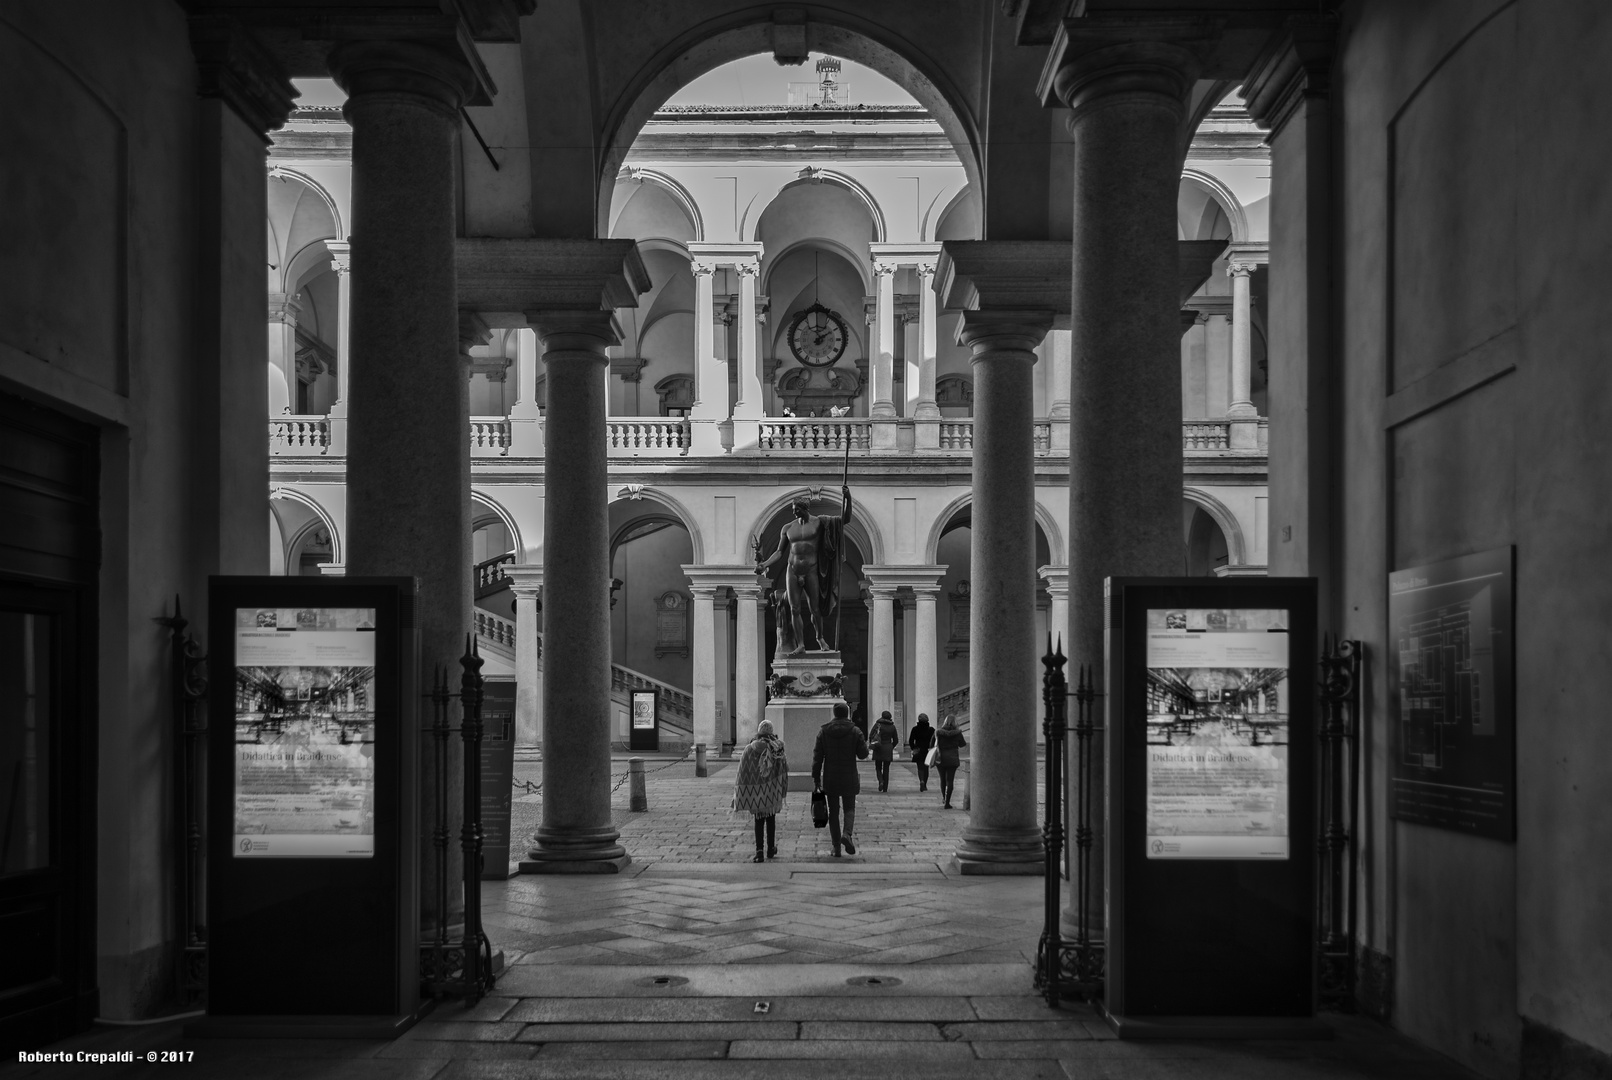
812, 544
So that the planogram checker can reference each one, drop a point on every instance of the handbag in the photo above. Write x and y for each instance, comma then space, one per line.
934, 752
819, 808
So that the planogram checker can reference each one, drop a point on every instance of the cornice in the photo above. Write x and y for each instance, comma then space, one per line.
234, 67
1295, 66
1004, 275
524, 275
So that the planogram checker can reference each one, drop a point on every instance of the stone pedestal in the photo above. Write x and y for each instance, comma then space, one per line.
805, 691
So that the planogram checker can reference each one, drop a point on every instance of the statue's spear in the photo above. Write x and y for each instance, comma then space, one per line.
839, 576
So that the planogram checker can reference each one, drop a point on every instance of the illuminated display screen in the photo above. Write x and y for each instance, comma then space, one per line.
1217, 734
304, 733
643, 710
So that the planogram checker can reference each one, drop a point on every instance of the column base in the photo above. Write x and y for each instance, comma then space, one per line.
1000, 852
576, 851
882, 434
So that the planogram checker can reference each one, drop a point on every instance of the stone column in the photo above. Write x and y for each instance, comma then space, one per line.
526, 582
1057, 354
1003, 836
283, 312
408, 512
1242, 340
703, 644
926, 414
747, 662
1217, 362
881, 650
710, 378
341, 264
749, 408
926, 684
1057, 580
525, 418
576, 834
884, 340
1127, 105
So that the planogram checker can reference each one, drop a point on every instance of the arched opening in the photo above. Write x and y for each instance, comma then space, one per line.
301, 537
1206, 547
304, 296
651, 621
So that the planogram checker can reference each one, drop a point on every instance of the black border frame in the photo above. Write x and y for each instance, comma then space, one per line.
318, 937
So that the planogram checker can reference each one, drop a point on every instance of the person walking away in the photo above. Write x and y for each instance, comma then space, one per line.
834, 772
762, 784
883, 740
950, 741
921, 738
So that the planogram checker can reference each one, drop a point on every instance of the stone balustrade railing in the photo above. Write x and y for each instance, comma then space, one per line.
489, 436
490, 574
954, 703
635, 436
499, 631
652, 435
813, 433
672, 700
299, 435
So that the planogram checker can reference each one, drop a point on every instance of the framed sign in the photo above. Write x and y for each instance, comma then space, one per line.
497, 776
312, 801
644, 733
1210, 869
1451, 658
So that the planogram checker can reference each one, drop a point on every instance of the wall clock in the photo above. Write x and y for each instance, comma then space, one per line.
818, 336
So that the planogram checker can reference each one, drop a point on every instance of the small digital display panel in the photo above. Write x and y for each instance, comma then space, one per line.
643, 710
304, 733
1217, 734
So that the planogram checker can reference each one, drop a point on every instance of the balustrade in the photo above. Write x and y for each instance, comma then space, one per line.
1206, 435
678, 702
489, 435
813, 433
636, 435
490, 627
299, 434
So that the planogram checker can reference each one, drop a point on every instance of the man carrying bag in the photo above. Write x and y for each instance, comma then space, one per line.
835, 776
919, 740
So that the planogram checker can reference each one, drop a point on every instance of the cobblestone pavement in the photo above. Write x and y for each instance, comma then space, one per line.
690, 818
696, 964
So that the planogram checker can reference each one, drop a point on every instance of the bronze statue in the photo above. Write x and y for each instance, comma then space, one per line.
811, 572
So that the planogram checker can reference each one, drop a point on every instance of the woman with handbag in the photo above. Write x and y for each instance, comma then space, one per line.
762, 784
948, 741
834, 772
919, 741
883, 739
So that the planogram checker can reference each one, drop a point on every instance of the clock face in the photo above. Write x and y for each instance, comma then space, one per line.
818, 336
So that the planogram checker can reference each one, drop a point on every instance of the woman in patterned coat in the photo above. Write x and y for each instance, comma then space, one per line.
763, 782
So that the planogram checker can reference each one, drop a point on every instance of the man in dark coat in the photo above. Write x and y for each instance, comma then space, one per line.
834, 758
919, 741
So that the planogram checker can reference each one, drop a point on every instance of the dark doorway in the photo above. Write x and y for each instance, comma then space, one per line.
49, 555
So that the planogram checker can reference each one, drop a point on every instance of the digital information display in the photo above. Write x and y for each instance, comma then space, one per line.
304, 733
643, 710
1217, 734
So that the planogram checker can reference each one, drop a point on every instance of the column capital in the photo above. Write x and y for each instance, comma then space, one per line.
1104, 58
284, 309
1056, 579
1240, 269
747, 269
915, 577
988, 332
436, 73
1296, 66
723, 576
341, 256
883, 269
576, 333
473, 331
233, 66
525, 581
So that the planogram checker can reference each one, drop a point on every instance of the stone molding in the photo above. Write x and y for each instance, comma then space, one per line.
525, 581
233, 66
1015, 332
1005, 275
919, 576
1296, 66
435, 74
527, 275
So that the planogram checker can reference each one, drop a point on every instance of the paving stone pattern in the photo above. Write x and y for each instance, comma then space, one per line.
696, 963
690, 819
